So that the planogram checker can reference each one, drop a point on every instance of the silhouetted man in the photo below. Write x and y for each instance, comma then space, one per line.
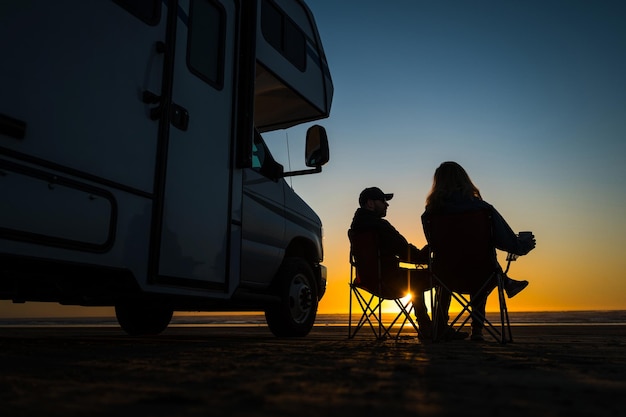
394, 249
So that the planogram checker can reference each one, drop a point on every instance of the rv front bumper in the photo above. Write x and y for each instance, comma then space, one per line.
322, 281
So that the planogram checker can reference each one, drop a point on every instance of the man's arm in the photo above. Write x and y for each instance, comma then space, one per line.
392, 241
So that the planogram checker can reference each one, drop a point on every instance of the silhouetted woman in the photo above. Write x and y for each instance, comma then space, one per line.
454, 192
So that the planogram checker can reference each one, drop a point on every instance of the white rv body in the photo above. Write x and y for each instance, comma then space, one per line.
132, 169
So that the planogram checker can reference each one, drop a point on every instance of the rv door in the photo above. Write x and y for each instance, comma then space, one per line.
196, 220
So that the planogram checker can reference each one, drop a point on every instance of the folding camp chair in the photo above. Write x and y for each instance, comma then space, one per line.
463, 262
366, 287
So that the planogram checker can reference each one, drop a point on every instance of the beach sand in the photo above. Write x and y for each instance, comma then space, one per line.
246, 371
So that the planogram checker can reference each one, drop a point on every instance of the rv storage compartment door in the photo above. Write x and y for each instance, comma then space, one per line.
51, 210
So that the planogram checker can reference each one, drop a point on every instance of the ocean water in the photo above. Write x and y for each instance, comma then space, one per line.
596, 317
577, 318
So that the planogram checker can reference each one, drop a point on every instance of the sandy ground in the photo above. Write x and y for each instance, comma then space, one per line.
245, 371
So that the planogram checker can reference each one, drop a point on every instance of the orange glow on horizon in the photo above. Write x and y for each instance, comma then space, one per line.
554, 285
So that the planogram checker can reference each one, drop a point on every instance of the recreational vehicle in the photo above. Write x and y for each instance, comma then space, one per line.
133, 170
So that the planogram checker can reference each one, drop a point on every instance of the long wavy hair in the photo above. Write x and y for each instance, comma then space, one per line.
450, 178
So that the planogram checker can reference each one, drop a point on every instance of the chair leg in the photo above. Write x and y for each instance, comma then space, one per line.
507, 335
440, 312
371, 308
350, 313
502, 335
405, 312
365, 312
371, 315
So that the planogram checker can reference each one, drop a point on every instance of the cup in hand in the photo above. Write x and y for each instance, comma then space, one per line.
528, 237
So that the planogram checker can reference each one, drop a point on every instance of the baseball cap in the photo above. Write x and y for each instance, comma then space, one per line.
373, 193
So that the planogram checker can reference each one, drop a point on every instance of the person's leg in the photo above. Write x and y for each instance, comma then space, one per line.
443, 305
480, 304
421, 312
419, 283
479, 301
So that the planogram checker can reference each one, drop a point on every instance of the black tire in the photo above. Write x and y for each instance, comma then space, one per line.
141, 319
295, 315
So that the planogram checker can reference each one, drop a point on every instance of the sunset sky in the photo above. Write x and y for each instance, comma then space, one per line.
528, 96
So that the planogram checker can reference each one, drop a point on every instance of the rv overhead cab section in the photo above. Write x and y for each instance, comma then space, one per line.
293, 83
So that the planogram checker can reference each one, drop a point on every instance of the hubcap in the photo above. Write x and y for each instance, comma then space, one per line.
300, 300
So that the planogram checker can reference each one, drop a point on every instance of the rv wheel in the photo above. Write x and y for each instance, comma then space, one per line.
138, 319
295, 314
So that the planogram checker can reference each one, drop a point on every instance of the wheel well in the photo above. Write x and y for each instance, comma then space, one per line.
302, 248
305, 249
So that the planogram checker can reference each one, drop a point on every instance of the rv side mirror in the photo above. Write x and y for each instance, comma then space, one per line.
317, 153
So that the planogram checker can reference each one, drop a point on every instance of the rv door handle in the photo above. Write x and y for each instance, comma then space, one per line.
150, 98
179, 116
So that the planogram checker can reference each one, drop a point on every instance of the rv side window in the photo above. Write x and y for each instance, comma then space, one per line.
262, 160
283, 34
148, 11
258, 152
205, 47
258, 155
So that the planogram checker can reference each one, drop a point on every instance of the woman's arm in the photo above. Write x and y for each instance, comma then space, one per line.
505, 238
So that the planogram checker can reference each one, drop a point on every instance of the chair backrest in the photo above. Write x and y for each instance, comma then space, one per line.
368, 262
364, 257
463, 253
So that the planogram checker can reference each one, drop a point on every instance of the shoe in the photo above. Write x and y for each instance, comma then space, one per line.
454, 335
425, 332
513, 287
450, 334
425, 335
477, 336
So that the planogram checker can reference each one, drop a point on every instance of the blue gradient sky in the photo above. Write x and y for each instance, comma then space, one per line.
529, 96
